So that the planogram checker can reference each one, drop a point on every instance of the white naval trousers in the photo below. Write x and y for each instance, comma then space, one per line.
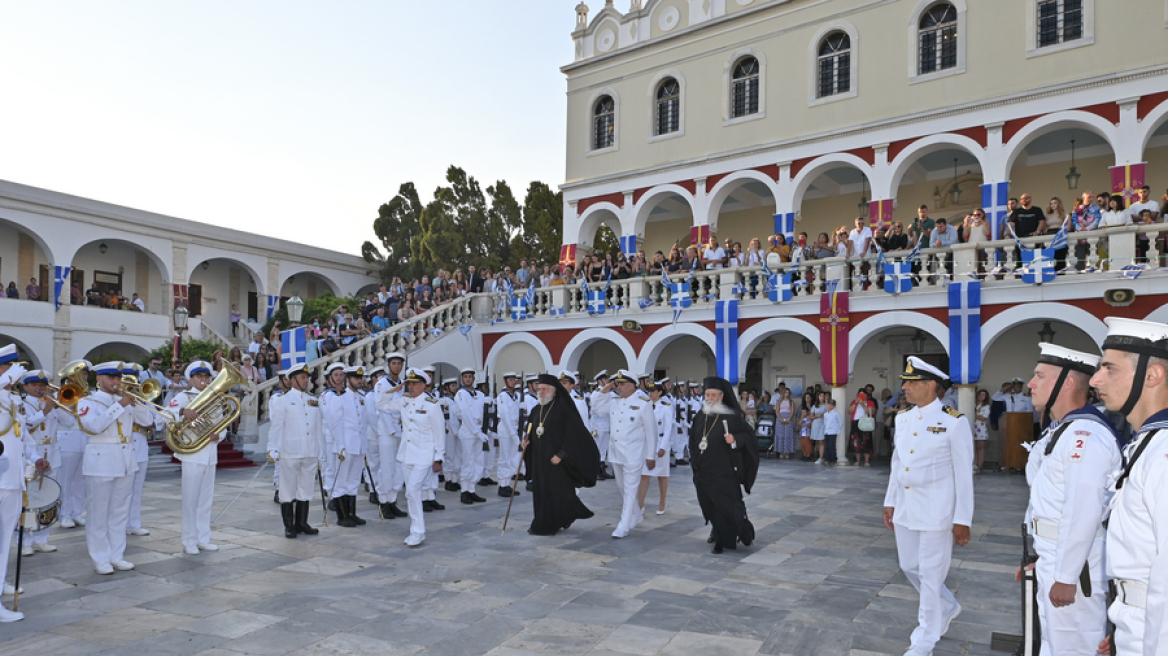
628, 484
602, 438
1080, 627
678, 442
373, 455
389, 475
416, 476
198, 491
328, 465
453, 463
135, 520
10, 503
924, 557
471, 455
107, 507
72, 484
1129, 627
298, 482
508, 458
348, 475
487, 459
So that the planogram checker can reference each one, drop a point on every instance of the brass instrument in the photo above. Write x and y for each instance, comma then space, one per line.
217, 410
69, 394
145, 393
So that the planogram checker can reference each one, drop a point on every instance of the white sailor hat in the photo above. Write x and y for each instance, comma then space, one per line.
449, 381
532, 378
918, 369
644, 376
509, 374
395, 356
429, 369
131, 368
8, 354
662, 381
1060, 356
375, 370
301, 368
283, 373
34, 376
112, 368
333, 367
568, 375
415, 375
603, 374
694, 384
466, 370
1134, 336
358, 371
198, 367
623, 376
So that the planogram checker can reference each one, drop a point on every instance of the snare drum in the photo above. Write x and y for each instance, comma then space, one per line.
44, 503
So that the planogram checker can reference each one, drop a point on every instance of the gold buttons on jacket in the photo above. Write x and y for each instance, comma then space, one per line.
906, 487
906, 468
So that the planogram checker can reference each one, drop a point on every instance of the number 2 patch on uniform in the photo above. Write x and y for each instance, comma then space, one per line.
1077, 448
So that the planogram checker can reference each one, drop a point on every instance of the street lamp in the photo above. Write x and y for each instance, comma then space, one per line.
1073, 176
863, 205
180, 324
1047, 333
295, 307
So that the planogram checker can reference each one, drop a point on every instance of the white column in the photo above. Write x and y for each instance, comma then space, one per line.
967, 402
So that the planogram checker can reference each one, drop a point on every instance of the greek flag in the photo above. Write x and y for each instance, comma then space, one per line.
293, 348
785, 226
678, 293
465, 330
779, 287
596, 300
898, 277
1038, 263
61, 281
521, 306
557, 311
1132, 271
994, 200
437, 332
645, 303
726, 334
965, 332
273, 302
628, 245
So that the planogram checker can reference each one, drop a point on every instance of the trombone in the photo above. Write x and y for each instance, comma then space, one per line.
145, 393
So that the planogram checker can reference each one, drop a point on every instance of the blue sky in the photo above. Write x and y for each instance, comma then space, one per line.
286, 118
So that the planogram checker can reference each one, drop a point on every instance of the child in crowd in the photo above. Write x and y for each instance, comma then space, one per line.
833, 425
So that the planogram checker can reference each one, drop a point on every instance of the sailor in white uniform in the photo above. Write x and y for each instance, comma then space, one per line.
471, 436
633, 444
71, 440
108, 416
569, 380
146, 421
13, 465
281, 388
295, 438
510, 407
334, 381
929, 501
1070, 470
600, 425
450, 468
422, 447
663, 411
1133, 380
40, 442
389, 471
372, 428
430, 485
345, 417
198, 468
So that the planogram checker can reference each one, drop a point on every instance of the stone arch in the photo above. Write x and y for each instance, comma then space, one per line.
334, 288
931, 144
759, 332
1031, 312
519, 338
130, 349
877, 323
1152, 122
193, 268
650, 200
25, 353
601, 213
721, 191
164, 266
1052, 122
660, 339
823, 164
34, 235
570, 358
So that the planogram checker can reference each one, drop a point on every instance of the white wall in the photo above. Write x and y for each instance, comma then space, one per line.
122, 257
218, 294
685, 358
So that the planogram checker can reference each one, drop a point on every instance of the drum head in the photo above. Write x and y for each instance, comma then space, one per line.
44, 503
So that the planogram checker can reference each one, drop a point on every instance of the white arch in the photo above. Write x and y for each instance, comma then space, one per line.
649, 200
255, 276
821, 165
570, 358
25, 351
520, 338
877, 323
666, 334
1030, 312
1150, 124
84, 343
36, 237
931, 144
164, 267
756, 334
1051, 122
333, 286
729, 184
590, 221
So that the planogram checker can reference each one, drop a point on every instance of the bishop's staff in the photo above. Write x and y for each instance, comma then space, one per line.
522, 453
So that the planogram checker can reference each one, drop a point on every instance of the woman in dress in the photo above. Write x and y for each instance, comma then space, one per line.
749, 408
805, 426
862, 407
817, 412
785, 425
981, 431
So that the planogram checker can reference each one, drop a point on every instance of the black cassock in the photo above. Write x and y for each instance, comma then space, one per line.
553, 487
721, 473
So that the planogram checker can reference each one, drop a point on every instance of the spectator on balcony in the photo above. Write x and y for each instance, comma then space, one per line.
1115, 215
1086, 216
1144, 202
522, 275
1144, 219
426, 302
380, 322
254, 346
693, 259
897, 240
235, 317
623, 269
33, 290
93, 296
975, 230
714, 256
754, 253
921, 227
406, 311
78, 296
840, 243
943, 237
137, 305
12, 291
1027, 220
545, 277
861, 238
734, 256
822, 248
249, 371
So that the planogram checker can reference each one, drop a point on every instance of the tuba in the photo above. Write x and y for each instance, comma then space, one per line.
217, 410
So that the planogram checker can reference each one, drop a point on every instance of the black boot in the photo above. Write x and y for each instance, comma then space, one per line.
475, 497
507, 491
426, 506
302, 526
397, 511
436, 506
465, 498
289, 522
386, 513
332, 504
342, 507
277, 498
353, 510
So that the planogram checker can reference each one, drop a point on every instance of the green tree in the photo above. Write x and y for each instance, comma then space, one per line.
606, 241
397, 224
543, 224
191, 349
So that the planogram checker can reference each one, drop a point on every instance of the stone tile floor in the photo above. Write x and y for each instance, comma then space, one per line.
822, 578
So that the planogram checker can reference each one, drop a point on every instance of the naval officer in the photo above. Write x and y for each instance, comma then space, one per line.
295, 439
423, 445
40, 442
13, 465
633, 444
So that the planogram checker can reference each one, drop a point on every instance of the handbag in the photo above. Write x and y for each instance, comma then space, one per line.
867, 423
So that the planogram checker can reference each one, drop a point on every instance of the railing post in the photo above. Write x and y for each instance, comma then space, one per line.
1121, 246
964, 261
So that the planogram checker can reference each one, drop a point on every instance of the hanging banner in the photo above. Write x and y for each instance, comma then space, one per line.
833, 335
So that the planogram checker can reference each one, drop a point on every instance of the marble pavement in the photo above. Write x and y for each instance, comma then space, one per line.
821, 578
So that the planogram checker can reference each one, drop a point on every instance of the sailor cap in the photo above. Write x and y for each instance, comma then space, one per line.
449, 381
918, 369
1134, 336
396, 355
333, 367
603, 374
113, 368
568, 375
1060, 356
358, 371
34, 376
8, 354
467, 370
198, 367
301, 368
415, 375
510, 374
623, 376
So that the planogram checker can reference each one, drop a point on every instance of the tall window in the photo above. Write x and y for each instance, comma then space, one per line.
938, 39
668, 106
744, 99
835, 64
603, 123
1059, 21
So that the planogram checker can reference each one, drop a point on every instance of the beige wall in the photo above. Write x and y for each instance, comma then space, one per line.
601, 355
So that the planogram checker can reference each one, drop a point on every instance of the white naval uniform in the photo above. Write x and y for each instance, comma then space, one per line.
931, 488
600, 425
488, 453
582, 408
1015, 402
680, 427
470, 436
633, 431
109, 468
40, 441
144, 424
431, 483
372, 441
450, 466
13, 468
423, 443
328, 458
389, 475
198, 480
345, 416
71, 442
508, 405
295, 435
1068, 501
663, 412
276, 393
530, 403
1137, 546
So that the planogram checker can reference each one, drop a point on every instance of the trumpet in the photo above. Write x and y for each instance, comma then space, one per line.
145, 393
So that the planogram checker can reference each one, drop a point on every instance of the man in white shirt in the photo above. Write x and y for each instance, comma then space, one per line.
633, 445
138, 304
1144, 202
423, 445
861, 238
713, 256
198, 468
253, 348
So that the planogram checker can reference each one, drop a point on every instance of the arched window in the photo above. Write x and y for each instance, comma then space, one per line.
835, 64
603, 123
938, 39
668, 106
744, 94
1059, 21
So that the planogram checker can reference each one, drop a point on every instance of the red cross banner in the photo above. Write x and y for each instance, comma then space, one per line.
1127, 180
699, 235
880, 213
833, 335
568, 255
180, 295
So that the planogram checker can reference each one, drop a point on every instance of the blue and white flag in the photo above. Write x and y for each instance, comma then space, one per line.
645, 303
965, 332
273, 303
293, 348
1038, 265
679, 298
61, 281
779, 287
1131, 271
628, 245
597, 301
437, 332
898, 277
1060, 238
994, 200
521, 306
726, 336
557, 310
785, 226
465, 330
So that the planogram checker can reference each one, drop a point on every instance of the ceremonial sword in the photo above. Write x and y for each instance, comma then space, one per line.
257, 475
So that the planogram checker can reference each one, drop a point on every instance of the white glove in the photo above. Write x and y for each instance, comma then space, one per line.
274, 455
12, 375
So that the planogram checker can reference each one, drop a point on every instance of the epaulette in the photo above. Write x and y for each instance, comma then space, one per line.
953, 413
642, 396
664, 402
430, 399
901, 412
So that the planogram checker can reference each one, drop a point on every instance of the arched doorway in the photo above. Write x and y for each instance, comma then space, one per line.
122, 268
831, 192
663, 217
121, 351
943, 172
219, 283
24, 256
743, 206
308, 284
600, 355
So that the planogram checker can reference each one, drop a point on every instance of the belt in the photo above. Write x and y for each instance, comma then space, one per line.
1044, 530
1132, 593
48, 440
102, 439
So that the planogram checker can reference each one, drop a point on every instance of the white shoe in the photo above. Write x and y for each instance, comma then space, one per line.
10, 615
44, 548
105, 568
122, 565
138, 531
9, 590
414, 540
27, 552
80, 521
191, 550
67, 523
620, 533
819, 462
918, 651
949, 620
209, 547
662, 511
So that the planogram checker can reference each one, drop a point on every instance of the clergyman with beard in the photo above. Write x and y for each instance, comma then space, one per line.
724, 457
561, 456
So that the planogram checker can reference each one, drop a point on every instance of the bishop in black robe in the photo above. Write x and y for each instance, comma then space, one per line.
560, 457
722, 469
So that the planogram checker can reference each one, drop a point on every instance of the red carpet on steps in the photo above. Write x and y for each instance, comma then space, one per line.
229, 456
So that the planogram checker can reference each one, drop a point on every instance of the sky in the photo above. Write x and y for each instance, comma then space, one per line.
285, 118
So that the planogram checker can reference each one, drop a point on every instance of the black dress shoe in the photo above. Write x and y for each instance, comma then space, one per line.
453, 487
506, 491
486, 481
373, 498
426, 506
717, 549
397, 511
476, 498
436, 506
528, 487
385, 512
441, 478
277, 497
466, 498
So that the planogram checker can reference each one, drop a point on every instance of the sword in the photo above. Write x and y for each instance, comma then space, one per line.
374, 486
323, 496
19, 549
257, 475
